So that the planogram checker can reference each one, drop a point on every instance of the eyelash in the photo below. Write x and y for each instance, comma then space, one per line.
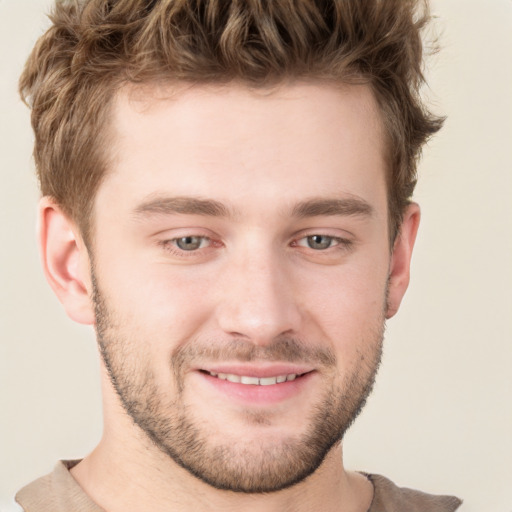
339, 243
170, 245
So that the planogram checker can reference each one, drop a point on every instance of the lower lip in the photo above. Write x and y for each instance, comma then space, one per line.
258, 395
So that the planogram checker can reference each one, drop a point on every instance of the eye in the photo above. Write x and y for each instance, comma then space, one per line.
190, 243
319, 242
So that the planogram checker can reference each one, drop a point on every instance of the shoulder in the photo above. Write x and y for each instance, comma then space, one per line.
56, 492
37, 495
388, 497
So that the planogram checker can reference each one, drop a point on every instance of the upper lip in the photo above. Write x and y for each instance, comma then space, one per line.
257, 370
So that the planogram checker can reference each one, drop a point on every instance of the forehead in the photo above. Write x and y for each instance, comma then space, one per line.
234, 143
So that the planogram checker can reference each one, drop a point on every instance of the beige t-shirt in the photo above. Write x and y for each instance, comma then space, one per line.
59, 492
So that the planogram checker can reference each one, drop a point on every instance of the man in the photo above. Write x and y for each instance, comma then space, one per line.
226, 198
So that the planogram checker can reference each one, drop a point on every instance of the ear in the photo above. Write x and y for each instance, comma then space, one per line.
399, 271
65, 261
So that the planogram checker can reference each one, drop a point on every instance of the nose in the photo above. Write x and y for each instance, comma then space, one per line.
257, 300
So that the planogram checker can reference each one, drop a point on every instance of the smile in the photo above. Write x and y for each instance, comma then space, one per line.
256, 385
254, 381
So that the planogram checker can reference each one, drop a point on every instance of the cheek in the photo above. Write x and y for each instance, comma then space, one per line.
155, 309
151, 289
347, 305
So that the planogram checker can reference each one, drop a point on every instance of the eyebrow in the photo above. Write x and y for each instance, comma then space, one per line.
182, 205
351, 206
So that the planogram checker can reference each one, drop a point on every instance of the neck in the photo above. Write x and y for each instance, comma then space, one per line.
157, 484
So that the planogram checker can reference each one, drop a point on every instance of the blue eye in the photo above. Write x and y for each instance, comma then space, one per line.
190, 243
318, 242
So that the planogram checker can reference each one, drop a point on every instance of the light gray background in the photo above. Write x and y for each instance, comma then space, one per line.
440, 418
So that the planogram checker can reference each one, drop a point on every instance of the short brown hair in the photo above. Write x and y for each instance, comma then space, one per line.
95, 46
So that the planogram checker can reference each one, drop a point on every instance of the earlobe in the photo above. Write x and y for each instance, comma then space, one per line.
399, 271
65, 261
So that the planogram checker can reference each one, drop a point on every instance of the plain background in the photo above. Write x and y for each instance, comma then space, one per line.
440, 418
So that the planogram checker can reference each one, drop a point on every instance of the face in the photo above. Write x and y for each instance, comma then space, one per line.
241, 263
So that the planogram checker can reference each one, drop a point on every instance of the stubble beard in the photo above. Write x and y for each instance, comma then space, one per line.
238, 465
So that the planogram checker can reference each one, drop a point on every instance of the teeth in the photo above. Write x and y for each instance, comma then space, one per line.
249, 380
254, 381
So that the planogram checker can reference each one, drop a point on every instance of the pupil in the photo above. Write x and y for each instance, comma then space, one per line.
189, 243
319, 242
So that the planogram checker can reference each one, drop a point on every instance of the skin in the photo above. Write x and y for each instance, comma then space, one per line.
265, 158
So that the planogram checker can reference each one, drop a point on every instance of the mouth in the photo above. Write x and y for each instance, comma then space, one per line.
255, 381
257, 385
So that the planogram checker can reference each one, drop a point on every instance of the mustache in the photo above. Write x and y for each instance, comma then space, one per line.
281, 349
